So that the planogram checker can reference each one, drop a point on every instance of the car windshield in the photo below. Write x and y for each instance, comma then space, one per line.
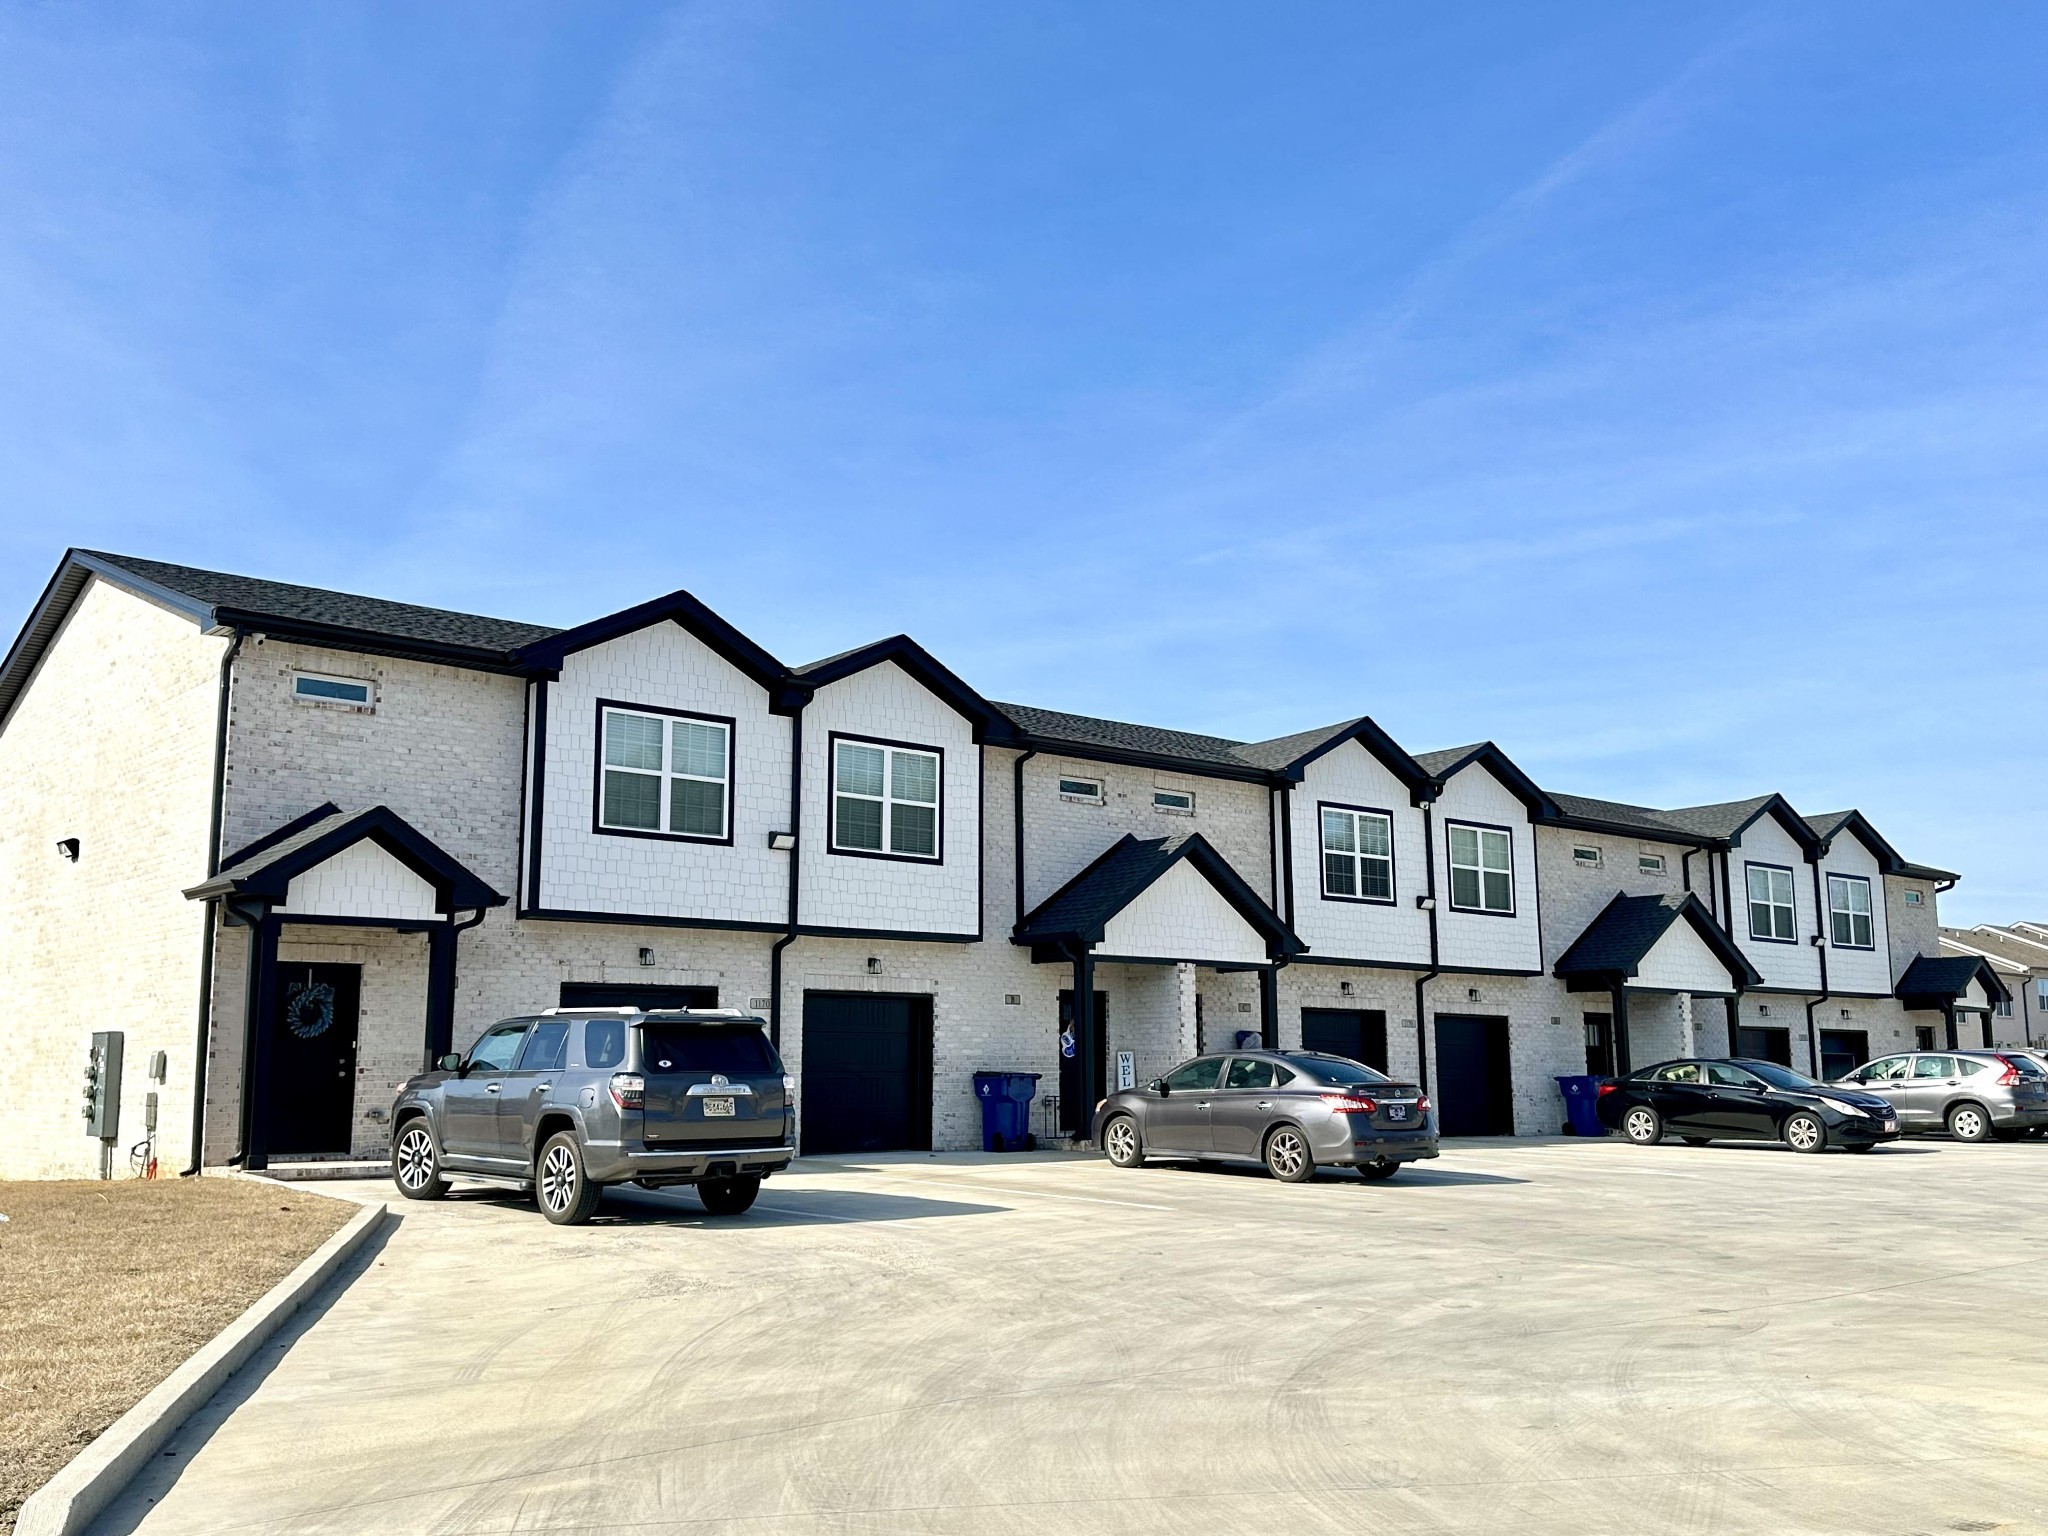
1336, 1070
708, 1048
1780, 1077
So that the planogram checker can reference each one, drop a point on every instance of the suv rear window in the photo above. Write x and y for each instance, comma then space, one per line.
708, 1048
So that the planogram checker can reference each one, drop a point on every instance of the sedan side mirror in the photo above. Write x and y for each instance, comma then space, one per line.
450, 1063
1158, 1086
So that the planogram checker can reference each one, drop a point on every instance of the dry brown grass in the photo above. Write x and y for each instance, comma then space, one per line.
106, 1288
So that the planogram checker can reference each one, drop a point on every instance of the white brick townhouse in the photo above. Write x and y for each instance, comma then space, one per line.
299, 842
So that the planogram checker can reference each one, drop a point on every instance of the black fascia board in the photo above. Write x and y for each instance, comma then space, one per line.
276, 835
1025, 924
1502, 767
1636, 830
456, 889
1392, 756
1281, 940
1803, 834
991, 725
1925, 872
1662, 915
1932, 980
368, 642
1094, 752
543, 658
1889, 860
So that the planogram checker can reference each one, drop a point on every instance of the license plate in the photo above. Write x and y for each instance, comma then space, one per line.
717, 1109
1891, 1125
1397, 1111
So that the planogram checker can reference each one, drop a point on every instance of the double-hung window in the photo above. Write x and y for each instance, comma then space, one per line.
1849, 912
885, 799
1482, 869
1358, 854
665, 774
1770, 903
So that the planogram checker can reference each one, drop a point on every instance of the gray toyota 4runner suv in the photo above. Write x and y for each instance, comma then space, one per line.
574, 1099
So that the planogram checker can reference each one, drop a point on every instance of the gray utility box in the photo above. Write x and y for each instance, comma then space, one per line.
102, 1106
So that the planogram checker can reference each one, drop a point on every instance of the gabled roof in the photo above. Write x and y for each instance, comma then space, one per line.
990, 724
264, 870
1079, 911
1728, 820
1290, 756
2020, 948
1930, 982
1614, 816
1857, 825
1118, 741
1448, 763
217, 601
1628, 928
2003, 964
544, 656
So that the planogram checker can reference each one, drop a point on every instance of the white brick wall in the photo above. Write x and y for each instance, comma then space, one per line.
111, 744
1574, 894
1911, 929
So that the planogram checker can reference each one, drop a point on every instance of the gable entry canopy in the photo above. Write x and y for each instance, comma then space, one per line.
1952, 985
1157, 901
1662, 944
371, 869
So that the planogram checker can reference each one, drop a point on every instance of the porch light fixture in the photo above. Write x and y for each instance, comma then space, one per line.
1427, 903
67, 849
1344, 988
782, 842
1471, 994
874, 965
646, 956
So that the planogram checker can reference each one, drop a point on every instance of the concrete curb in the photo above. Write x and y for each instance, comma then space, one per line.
91, 1480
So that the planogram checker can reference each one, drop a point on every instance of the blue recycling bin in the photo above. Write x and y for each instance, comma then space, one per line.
1581, 1093
1006, 1110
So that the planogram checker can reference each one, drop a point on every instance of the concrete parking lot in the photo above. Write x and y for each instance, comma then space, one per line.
1521, 1337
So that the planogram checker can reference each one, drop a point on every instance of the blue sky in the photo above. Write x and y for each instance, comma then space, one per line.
1659, 391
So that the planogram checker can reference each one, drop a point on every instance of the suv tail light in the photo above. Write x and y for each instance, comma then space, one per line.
1349, 1103
629, 1090
2010, 1075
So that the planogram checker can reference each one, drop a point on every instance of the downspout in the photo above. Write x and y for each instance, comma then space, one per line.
211, 923
1429, 906
1287, 850
1727, 895
796, 817
1821, 946
1017, 839
1685, 868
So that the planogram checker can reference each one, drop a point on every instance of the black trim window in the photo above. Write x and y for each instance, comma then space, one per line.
1358, 854
1482, 868
1849, 912
665, 774
885, 799
1770, 903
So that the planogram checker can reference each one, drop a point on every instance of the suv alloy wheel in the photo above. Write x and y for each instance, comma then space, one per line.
560, 1186
416, 1164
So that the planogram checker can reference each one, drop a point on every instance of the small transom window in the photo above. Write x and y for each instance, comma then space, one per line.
315, 688
1650, 863
1087, 791
665, 775
885, 800
1174, 802
1914, 898
1586, 857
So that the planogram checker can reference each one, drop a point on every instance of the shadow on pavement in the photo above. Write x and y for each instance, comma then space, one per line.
1411, 1173
779, 1206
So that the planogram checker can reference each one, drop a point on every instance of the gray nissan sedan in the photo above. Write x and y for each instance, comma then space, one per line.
1291, 1110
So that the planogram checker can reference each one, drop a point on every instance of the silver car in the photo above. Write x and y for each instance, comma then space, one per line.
1973, 1095
1291, 1110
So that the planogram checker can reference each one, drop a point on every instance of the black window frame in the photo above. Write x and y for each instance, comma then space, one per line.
732, 755
832, 741
1450, 870
1358, 858
1749, 901
1869, 912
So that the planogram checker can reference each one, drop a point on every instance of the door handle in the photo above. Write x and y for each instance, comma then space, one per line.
491, 1088
544, 1087
1203, 1105
1265, 1103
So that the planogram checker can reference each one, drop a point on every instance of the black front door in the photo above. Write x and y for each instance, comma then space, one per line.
867, 1073
1842, 1051
313, 1015
605, 994
1599, 1045
1475, 1093
1761, 1042
1074, 1115
1359, 1034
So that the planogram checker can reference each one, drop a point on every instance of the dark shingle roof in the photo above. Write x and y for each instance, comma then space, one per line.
1281, 751
1614, 812
265, 869
1120, 736
1722, 820
1448, 758
1080, 909
1629, 927
340, 610
1949, 976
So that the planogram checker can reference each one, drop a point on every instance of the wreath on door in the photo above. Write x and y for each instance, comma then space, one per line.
309, 1009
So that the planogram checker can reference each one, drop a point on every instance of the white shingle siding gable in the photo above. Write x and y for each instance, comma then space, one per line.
1681, 961
1486, 940
904, 895
665, 667
360, 881
1795, 966
1351, 930
1181, 916
1856, 970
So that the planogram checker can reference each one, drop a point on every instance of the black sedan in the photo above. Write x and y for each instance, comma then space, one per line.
1742, 1099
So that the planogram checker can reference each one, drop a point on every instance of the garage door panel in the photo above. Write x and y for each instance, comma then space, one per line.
866, 1073
1475, 1083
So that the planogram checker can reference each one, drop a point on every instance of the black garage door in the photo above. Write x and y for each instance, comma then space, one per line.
1475, 1088
867, 1071
604, 994
1761, 1042
1357, 1033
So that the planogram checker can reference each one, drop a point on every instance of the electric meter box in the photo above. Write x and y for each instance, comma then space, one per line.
103, 1086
